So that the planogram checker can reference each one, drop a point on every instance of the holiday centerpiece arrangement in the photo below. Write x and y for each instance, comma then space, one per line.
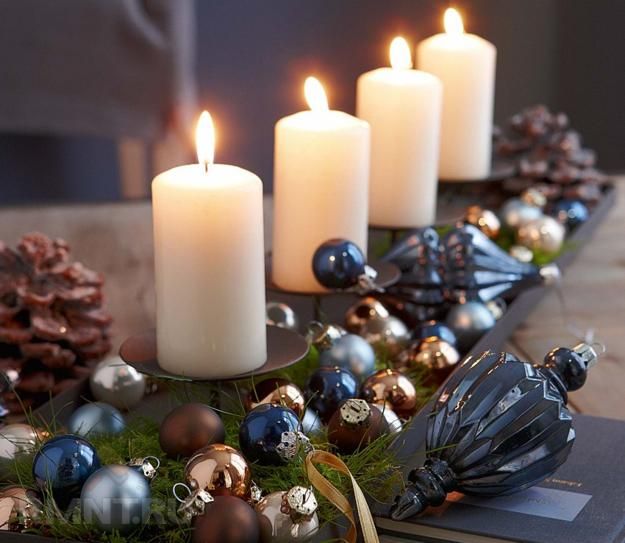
283, 430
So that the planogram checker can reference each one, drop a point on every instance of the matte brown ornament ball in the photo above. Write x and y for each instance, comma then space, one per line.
356, 424
484, 219
188, 428
226, 520
276, 391
221, 470
393, 387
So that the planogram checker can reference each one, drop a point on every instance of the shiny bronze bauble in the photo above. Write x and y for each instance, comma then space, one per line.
438, 357
393, 387
20, 508
276, 391
356, 424
388, 335
188, 428
364, 310
226, 520
220, 470
484, 219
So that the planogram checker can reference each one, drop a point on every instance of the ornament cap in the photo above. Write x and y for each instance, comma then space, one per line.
302, 502
355, 413
587, 353
551, 274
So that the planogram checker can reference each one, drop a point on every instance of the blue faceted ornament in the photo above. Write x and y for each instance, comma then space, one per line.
338, 263
62, 466
267, 432
570, 213
437, 329
327, 388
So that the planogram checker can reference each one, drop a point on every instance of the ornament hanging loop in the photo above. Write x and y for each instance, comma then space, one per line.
194, 504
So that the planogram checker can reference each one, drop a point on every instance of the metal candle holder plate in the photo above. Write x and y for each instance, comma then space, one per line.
284, 348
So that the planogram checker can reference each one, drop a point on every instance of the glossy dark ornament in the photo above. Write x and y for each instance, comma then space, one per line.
356, 424
20, 509
276, 391
436, 329
393, 387
226, 520
570, 213
188, 428
338, 264
499, 425
476, 268
436, 356
220, 470
421, 285
327, 388
96, 418
262, 432
62, 465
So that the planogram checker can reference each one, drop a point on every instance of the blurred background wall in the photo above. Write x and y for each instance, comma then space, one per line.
252, 57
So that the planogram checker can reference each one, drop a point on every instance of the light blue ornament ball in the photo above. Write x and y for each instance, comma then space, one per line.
350, 352
116, 498
96, 418
470, 321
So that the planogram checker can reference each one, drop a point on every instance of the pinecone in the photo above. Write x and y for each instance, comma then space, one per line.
548, 151
51, 317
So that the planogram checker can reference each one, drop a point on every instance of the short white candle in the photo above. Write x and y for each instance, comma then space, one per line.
465, 63
209, 264
321, 175
403, 107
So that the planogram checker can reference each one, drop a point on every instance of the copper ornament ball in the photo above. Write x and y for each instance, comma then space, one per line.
221, 470
393, 387
356, 424
364, 310
188, 428
20, 509
484, 219
226, 520
276, 391
434, 354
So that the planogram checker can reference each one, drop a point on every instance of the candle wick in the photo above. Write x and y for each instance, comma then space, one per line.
206, 166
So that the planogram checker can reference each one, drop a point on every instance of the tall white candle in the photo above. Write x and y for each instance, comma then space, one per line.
209, 264
321, 174
403, 107
465, 63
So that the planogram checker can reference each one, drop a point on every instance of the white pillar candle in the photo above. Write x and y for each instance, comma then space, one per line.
403, 107
209, 265
465, 63
321, 174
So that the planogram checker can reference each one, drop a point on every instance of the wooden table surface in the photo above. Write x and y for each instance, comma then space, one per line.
116, 239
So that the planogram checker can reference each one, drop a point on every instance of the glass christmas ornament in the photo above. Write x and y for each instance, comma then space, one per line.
96, 418
323, 336
356, 424
276, 391
392, 387
338, 264
62, 466
433, 328
16, 440
327, 388
116, 383
282, 315
350, 352
116, 498
389, 335
515, 213
226, 520
478, 269
470, 321
544, 234
570, 213
20, 509
499, 425
288, 516
363, 311
268, 432
484, 219
311, 422
433, 354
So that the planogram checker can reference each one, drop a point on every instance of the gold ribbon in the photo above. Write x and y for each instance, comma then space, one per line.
334, 496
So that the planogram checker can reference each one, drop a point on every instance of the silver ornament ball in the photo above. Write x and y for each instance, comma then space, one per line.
116, 383
286, 517
469, 321
389, 333
521, 253
116, 498
281, 315
350, 352
311, 423
515, 212
395, 424
323, 336
15, 440
96, 418
542, 234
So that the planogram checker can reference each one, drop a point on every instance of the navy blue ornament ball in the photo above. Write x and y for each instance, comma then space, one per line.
338, 263
327, 388
435, 329
62, 465
570, 213
261, 432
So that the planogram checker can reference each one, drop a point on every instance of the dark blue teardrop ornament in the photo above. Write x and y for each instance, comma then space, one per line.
338, 263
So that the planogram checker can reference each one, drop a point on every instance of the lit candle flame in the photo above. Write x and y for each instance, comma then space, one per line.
453, 22
205, 140
315, 95
401, 58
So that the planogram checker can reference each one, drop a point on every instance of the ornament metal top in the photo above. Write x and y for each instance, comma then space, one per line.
498, 426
